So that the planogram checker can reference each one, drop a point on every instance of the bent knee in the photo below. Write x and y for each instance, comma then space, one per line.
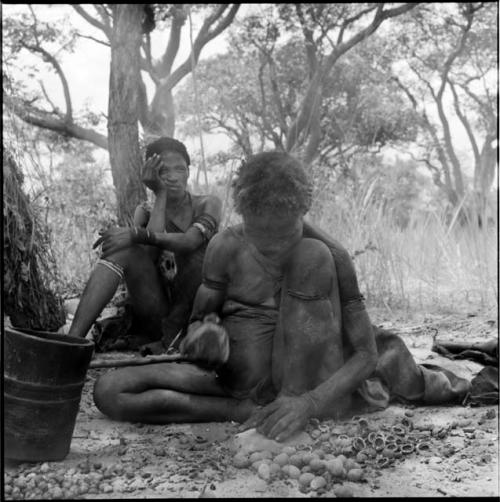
388, 342
107, 396
310, 269
130, 256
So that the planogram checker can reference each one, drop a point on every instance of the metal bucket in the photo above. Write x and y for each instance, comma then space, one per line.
44, 375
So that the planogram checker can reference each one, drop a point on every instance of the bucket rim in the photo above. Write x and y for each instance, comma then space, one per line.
59, 337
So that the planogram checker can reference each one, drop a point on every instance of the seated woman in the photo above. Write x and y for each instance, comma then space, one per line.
161, 257
301, 342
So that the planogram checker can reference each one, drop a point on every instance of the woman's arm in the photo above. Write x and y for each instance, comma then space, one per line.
177, 242
204, 226
356, 328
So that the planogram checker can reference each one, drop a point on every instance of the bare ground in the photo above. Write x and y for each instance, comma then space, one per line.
121, 460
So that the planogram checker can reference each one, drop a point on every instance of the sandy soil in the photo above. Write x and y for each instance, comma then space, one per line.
141, 461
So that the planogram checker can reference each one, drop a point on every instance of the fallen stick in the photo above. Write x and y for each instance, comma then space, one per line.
136, 361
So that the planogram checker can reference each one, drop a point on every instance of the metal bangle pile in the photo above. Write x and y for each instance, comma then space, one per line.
379, 448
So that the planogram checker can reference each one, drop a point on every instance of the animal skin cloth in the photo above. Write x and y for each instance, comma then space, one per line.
250, 315
484, 386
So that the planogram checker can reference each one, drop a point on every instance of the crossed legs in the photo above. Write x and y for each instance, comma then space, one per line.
167, 392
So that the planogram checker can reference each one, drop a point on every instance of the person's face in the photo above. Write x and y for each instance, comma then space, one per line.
174, 172
274, 235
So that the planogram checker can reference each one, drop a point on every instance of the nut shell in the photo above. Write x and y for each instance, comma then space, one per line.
306, 478
407, 448
343, 491
336, 468
382, 462
355, 475
317, 465
264, 472
317, 483
282, 459
358, 443
293, 472
241, 461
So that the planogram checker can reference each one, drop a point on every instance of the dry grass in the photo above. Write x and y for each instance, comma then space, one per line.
434, 263
29, 272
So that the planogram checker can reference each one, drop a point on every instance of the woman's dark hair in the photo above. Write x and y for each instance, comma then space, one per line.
271, 182
167, 144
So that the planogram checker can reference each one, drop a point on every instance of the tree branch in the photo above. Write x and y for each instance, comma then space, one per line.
92, 20
204, 36
44, 91
46, 120
94, 39
465, 122
457, 170
436, 174
437, 144
53, 61
241, 139
451, 58
179, 18
145, 64
351, 20
487, 111
277, 96
380, 16
105, 17
311, 48
319, 77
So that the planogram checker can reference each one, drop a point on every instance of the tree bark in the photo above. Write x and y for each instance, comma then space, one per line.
123, 133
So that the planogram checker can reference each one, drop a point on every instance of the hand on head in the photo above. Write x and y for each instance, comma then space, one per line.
151, 174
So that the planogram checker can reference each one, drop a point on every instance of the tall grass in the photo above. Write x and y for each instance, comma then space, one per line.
433, 263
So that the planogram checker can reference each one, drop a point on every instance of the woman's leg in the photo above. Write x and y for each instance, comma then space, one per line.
165, 393
143, 284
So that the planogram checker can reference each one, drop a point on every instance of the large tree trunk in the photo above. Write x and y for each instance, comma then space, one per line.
162, 117
484, 174
123, 133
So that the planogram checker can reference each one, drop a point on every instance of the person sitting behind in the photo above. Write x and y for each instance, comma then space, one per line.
160, 257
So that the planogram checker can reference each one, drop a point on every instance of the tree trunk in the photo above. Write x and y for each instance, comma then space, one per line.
162, 116
484, 174
123, 133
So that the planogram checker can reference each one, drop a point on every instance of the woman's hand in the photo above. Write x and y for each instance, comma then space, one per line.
282, 418
206, 342
117, 238
151, 174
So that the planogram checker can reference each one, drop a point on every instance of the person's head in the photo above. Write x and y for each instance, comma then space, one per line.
272, 193
175, 163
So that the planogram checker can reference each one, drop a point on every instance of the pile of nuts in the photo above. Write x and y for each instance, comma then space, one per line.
43, 481
339, 453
